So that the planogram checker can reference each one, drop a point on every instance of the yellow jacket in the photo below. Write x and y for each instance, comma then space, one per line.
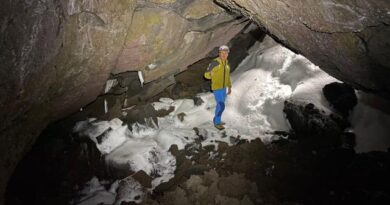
219, 73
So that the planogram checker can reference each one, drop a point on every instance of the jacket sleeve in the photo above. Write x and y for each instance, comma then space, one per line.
229, 82
208, 72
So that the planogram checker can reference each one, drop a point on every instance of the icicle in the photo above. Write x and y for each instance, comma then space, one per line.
141, 78
125, 103
105, 106
109, 84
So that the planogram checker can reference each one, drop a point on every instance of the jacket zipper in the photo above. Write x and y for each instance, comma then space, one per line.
224, 69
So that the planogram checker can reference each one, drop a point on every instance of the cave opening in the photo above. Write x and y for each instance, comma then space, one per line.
294, 134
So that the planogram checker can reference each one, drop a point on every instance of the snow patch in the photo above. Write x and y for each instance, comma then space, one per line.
371, 127
152, 66
95, 192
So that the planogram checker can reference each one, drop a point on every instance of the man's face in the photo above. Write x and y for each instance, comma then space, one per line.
223, 55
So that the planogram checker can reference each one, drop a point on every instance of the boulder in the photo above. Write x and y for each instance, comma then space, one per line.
307, 120
341, 96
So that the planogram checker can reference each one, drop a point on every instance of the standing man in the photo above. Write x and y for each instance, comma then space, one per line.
219, 73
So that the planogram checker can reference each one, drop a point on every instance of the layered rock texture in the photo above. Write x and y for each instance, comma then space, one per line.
347, 39
56, 56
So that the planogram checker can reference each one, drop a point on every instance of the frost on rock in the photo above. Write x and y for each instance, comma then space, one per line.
107, 135
129, 191
95, 192
144, 155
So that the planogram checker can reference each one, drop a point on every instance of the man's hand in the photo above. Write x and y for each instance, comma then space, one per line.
229, 90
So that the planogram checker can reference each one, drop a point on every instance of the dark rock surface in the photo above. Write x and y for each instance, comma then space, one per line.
306, 119
347, 39
341, 96
284, 172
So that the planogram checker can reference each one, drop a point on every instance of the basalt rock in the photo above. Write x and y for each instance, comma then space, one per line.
55, 56
347, 39
341, 96
308, 121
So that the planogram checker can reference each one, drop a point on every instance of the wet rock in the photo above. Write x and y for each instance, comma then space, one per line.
341, 96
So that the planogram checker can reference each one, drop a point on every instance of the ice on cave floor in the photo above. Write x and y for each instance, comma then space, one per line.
267, 77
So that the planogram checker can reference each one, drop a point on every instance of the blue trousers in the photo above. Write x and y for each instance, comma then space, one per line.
220, 96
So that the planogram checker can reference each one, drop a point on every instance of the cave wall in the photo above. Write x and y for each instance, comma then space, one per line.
186, 33
348, 39
56, 55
